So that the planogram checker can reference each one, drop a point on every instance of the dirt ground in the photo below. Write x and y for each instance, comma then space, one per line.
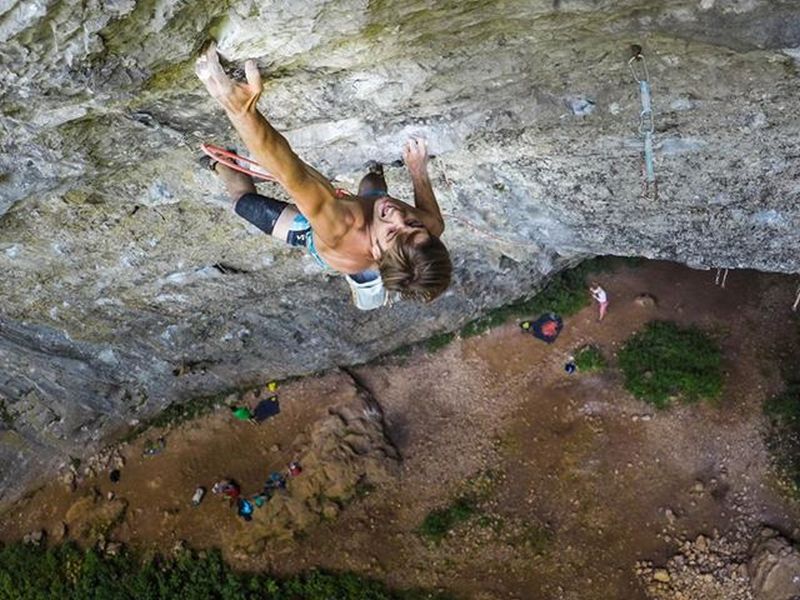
585, 480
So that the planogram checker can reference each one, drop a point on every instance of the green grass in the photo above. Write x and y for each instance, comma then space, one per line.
68, 573
663, 361
441, 521
565, 294
782, 437
439, 341
785, 408
589, 358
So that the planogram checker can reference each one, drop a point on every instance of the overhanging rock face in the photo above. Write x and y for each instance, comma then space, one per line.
127, 283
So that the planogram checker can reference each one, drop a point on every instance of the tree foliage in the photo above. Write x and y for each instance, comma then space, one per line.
69, 573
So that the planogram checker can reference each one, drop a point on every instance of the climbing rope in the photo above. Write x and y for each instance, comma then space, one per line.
721, 278
236, 162
796, 300
638, 68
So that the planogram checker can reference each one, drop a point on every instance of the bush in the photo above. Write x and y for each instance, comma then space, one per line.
783, 435
68, 573
589, 358
438, 523
785, 408
664, 360
468, 503
439, 341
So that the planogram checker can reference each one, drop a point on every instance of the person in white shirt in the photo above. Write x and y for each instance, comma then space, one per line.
601, 297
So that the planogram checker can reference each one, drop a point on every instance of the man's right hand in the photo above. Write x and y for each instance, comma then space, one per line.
415, 156
236, 98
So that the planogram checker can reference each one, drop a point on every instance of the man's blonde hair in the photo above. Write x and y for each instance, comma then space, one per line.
419, 271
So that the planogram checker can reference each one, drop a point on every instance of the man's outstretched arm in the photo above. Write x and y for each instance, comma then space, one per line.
416, 159
313, 194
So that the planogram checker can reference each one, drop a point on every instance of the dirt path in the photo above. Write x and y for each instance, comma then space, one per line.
585, 480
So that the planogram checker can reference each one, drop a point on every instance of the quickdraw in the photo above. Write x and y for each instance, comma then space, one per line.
638, 68
721, 278
236, 162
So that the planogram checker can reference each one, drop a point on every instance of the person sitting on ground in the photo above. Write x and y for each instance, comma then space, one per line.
229, 489
359, 236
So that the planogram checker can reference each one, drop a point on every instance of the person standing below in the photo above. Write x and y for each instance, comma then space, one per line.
601, 297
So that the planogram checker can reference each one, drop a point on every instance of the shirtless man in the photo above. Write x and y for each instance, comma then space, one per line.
351, 234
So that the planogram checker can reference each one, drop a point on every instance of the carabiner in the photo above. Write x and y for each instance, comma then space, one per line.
633, 64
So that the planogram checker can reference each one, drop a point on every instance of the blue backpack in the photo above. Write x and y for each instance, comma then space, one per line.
245, 509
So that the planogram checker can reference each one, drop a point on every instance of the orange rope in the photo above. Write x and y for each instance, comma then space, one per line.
234, 161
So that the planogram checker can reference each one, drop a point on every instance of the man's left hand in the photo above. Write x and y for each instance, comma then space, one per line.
415, 155
236, 98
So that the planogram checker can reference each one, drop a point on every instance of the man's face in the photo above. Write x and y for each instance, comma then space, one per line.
392, 217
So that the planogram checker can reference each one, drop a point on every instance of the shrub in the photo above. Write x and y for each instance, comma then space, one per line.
468, 503
438, 523
439, 341
785, 408
664, 360
68, 573
589, 358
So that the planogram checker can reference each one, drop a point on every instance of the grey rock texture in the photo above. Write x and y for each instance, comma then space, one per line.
775, 568
128, 285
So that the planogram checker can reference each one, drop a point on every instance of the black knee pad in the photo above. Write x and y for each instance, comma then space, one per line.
260, 210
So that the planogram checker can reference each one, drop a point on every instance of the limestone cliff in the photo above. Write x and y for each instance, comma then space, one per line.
127, 284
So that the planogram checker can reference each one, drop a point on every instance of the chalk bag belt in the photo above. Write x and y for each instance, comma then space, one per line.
638, 68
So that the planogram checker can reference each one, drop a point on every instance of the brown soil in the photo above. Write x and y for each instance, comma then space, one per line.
586, 480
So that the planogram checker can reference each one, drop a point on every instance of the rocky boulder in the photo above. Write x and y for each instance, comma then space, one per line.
775, 568
342, 456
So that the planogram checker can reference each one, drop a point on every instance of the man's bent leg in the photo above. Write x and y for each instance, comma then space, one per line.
236, 184
273, 217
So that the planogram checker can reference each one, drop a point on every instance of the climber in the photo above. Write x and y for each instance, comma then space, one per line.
363, 236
